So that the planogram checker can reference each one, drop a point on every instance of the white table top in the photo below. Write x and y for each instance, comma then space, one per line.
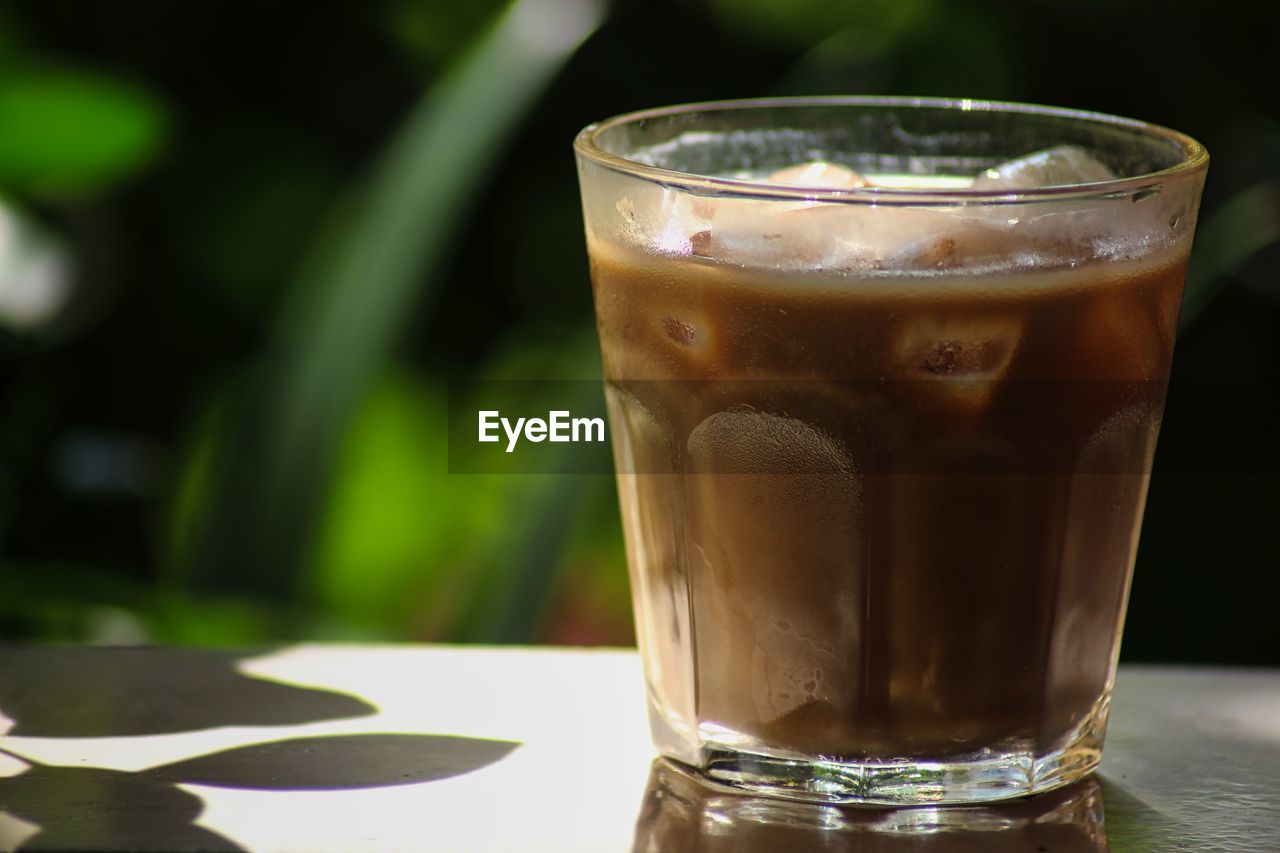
321, 747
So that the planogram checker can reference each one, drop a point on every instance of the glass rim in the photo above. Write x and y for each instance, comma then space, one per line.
587, 145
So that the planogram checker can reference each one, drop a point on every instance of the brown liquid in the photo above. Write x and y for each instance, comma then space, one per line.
901, 522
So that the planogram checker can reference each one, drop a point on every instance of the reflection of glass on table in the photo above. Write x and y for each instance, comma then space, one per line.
683, 813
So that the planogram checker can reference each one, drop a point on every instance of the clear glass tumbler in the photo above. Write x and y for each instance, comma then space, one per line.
883, 412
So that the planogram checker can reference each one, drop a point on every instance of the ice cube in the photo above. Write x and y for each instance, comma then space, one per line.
958, 240
742, 440
837, 237
642, 442
782, 233
777, 234
656, 326
650, 341
1121, 444
955, 361
679, 218
819, 174
774, 510
681, 331
1063, 165
1125, 336
790, 670
845, 237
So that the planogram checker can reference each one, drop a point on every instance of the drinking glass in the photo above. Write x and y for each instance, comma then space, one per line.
883, 412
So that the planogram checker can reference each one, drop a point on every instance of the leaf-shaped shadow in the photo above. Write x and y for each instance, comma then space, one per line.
110, 692
90, 808
337, 762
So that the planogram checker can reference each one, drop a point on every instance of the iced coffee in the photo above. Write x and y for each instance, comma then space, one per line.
883, 410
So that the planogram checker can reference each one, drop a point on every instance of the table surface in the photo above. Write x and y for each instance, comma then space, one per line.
319, 747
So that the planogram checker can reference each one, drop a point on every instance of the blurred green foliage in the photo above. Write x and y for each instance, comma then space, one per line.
263, 193
282, 228
388, 538
68, 132
1242, 226
347, 306
432, 34
878, 24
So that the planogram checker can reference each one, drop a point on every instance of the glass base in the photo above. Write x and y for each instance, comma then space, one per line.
980, 777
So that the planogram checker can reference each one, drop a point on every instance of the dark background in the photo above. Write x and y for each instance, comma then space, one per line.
243, 247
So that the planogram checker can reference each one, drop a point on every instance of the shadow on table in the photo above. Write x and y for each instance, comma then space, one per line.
132, 692
88, 808
117, 692
682, 814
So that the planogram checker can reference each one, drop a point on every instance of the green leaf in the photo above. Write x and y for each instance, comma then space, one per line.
393, 522
410, 549
432, 32
72, 132
359, 283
